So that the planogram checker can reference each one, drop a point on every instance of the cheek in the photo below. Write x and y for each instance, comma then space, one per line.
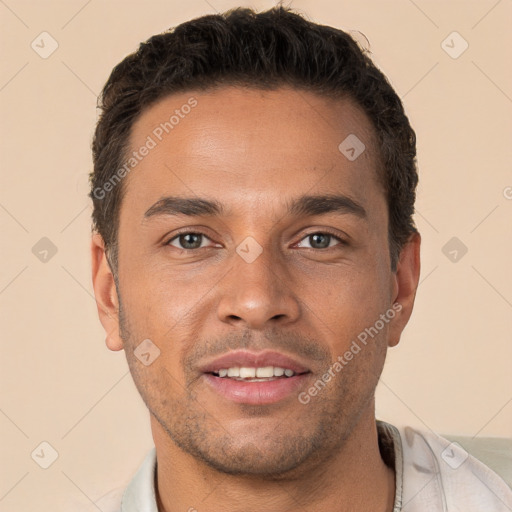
346, 299
157, 382
159, 297
172, 311
356, 335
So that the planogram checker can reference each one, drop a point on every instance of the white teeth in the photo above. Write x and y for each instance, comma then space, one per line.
234, 372
265, 372
247, 373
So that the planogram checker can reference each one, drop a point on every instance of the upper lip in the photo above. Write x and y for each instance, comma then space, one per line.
244, 358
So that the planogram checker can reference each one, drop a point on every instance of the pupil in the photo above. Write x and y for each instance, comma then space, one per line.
325, 237
185, 241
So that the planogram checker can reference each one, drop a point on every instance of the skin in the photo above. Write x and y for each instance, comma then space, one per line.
253, 151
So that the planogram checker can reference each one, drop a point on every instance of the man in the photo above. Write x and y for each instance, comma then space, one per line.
254, 254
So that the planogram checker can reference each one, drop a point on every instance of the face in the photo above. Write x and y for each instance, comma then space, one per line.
256, 269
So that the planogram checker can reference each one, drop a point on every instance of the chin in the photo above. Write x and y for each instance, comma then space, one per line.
274, 456
252, 461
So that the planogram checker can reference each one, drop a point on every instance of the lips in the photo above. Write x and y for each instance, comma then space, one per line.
288, 377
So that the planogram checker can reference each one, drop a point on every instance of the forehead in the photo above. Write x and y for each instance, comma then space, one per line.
250, 145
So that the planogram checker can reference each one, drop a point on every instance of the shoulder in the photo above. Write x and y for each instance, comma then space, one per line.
111, 502
138, 494
442, 474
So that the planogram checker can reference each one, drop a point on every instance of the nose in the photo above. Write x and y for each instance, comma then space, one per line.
259, 294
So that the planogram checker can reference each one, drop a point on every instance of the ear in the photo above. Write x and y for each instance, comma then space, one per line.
405, 284
105, 293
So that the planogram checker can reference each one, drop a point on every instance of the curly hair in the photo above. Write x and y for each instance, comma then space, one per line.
265, 50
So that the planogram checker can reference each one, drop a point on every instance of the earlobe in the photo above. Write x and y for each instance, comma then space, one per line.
113, 341
105, 293
405, 284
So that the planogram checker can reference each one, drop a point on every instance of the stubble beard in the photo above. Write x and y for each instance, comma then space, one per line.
291, 449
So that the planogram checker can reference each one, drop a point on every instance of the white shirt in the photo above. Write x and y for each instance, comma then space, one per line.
432, 475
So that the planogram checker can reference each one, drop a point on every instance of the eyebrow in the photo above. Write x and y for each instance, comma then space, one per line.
305, 205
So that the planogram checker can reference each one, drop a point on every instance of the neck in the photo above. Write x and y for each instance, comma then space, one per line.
185, 483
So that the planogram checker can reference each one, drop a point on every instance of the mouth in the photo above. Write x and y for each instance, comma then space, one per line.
257, 379
261, 374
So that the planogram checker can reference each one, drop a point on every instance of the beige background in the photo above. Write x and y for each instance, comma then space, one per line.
60, 384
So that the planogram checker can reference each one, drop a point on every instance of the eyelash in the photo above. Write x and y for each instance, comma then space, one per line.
322, 232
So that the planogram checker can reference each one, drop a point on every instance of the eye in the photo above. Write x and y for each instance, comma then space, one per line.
322, 240
192, 240
189, 240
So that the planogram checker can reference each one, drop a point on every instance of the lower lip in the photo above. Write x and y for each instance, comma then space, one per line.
256, 393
